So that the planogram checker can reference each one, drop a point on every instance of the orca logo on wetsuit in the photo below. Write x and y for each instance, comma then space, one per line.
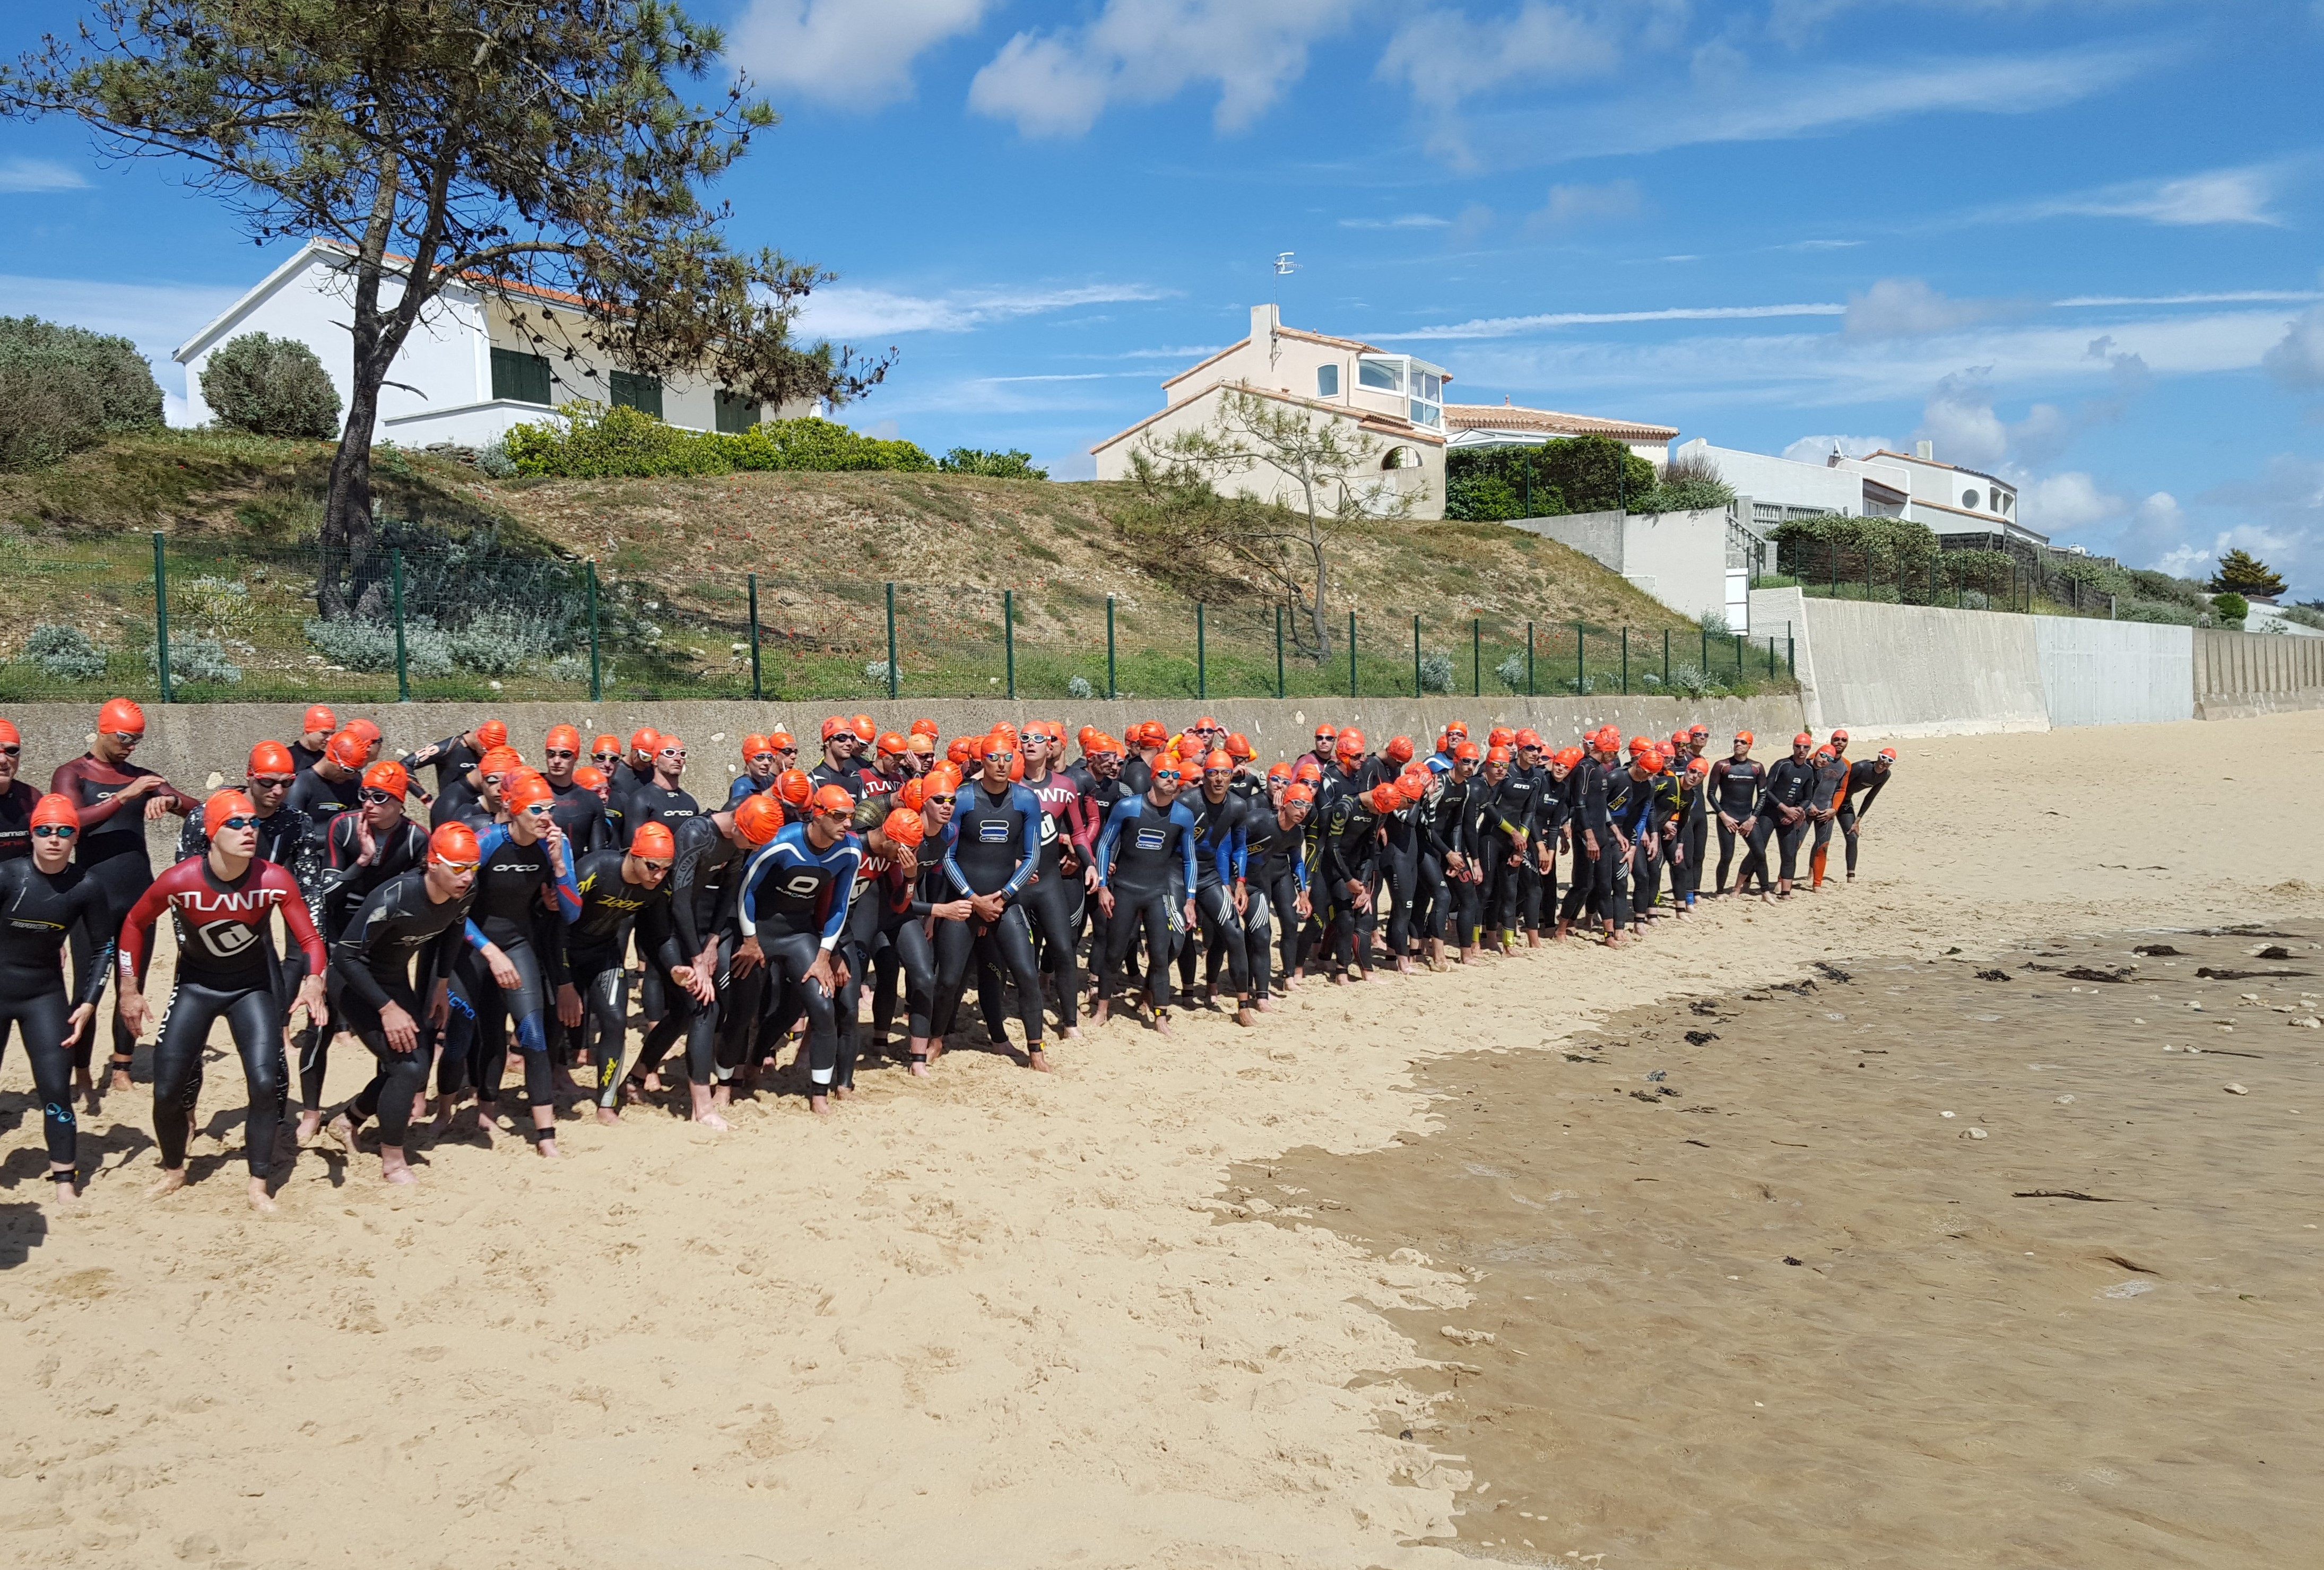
801, 884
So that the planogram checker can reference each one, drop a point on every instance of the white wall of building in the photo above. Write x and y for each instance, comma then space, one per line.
1418, 478
1783, 481
1678, 558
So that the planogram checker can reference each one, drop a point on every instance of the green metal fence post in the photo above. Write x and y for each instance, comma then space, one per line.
1352, 653
1529, 686
1202, 653
403, 666
1477, 656
1416, 653
1791, 652
891, 640
1706, 653
1739, 656
596, 682
1771, 650
1278, 651
1666, 659
1626, 661
161, 618
756, 691
1009, 637
1112, 691
1580, 669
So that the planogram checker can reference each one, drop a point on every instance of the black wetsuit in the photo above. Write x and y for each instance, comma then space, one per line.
1592, 881
993, 846
705, 871
1789, 784
370, 967
1219, 867
596, 945
1143, 848
38, 912
16, 804
1734, 794
1864, 779
1275, 859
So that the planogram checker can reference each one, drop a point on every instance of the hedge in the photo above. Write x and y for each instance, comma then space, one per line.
596, 442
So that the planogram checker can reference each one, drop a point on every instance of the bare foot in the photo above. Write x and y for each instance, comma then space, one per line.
342, 1130
1263, 1005
1099, 1015
260, 1200
67, 1195
1340, 979
919, 1065
1245, 1018
609, 1116
1070, 1033
710, 1120
1162, 1024
547, 1149
171, 1179
1375, 980
632, 1092
310, 1123
653, 1086
119, 1079
819, 1104
1404, 965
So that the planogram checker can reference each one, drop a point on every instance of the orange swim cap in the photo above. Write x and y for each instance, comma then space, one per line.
653, 842
589, 777
498, 761
833, 801
1398, 749
388, 776
319, 717
53, 809
119, 716
562, 739
223, 805
904, 828
272, 758
492, 733
795, 786
645, 738
758, 820
526, 788
347, 750
454, 845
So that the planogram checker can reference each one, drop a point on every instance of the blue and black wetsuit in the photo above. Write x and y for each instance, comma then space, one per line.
1218, 865
1143, 846
993, 846
794, 900
511, 913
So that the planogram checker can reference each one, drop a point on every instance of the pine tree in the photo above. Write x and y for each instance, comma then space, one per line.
2242, 573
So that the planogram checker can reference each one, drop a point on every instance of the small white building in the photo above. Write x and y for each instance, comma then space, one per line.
1394, 400
1505, 424
469, 371
1948, 498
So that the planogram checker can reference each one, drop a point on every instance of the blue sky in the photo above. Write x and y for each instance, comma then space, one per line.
2075, 244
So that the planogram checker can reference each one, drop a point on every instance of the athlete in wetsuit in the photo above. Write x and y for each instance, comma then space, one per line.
1784, 814
224, 903
1588, 816
517, 958
44, 899
792, 911
840, 749
421, 913
1824, 800
1734, 786
1275, 853
1146, 838
661, 799
760, 768
718, 1010
992, 850
315, 734
17, 799
1451, 808
333, 786
116, 799
580, 813
456, 760
1053, 900
1221, 888
621, 891
1865, 777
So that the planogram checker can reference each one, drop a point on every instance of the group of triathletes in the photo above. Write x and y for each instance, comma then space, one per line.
514, 924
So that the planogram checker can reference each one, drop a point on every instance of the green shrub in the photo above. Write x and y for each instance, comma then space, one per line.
64, 653
1842, 546
2162, 611
111, 367
1580, 474
993, 466
197, 658
271, 386
1482, 498
45, 417
819, 444
1436, 672
2305, 617
2160, 586
1689, 485
2230, 609
597, 442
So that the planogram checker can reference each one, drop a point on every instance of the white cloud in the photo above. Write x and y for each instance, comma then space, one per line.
2297, 361
1958, 418
1815, 450
1508, 326
1908, 308
1739, 106
176, 413
2220, 196
2223, 297
155, 317
26, 175
1408, 221
848, 311
1614, 202
1446, 57
847, 51
2060, 503
1147, 51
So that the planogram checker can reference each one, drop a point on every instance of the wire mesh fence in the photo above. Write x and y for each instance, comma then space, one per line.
2031, 579
192, 623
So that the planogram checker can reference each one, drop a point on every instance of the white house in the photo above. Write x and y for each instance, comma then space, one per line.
1505, 424
467, 372
1394, 400
1948, 498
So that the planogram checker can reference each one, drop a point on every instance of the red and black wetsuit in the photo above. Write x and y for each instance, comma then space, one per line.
111, 849
1053, 900
16, 804
225, 966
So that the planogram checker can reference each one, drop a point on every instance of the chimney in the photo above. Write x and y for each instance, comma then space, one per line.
1263, 322
1926, 450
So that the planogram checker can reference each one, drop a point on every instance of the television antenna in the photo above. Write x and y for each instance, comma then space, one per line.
1284, 268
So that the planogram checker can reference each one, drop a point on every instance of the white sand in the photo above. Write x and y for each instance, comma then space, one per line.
996, 1318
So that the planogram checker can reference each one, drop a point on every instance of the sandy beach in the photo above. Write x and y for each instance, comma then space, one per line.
1009, 1319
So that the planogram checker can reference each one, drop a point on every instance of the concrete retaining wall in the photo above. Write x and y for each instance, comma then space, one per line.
2237, 675
1678, 558
1909, 671
190, 742
2114, 673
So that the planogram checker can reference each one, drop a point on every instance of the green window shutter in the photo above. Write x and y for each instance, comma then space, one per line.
520, 377
643, 394
735, 413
